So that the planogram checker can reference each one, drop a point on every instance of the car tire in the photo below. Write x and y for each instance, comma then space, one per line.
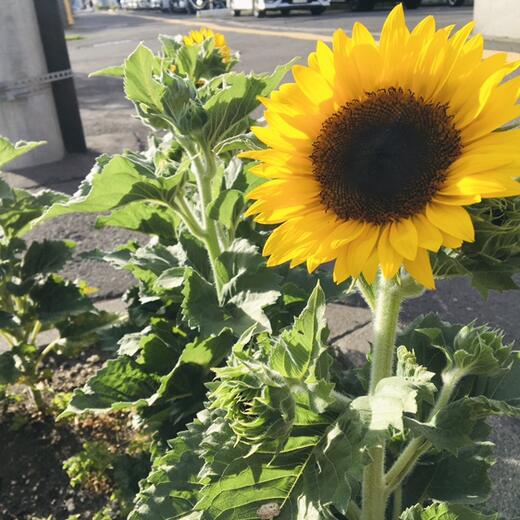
412, 4
257, 13
237, 12
362, 5
317, 10
286, 12
455, 3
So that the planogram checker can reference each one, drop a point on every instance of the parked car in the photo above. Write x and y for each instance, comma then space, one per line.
141, 4
368, 5
191, 6
261, 7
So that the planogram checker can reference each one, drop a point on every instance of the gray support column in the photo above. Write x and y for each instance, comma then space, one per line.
27, 109
498, 19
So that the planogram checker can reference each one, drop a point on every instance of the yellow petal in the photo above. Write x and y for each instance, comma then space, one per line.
389, 259
403, 238
420, 269
453, 220
312, 84
429, 237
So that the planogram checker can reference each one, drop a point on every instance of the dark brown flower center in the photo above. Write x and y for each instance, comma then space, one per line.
383, 159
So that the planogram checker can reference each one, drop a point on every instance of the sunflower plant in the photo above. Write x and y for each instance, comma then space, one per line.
392, 162
34, 298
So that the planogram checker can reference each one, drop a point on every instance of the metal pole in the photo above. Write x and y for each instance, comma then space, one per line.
57, 57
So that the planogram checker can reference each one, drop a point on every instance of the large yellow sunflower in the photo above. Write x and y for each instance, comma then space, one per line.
377, 147
197, 37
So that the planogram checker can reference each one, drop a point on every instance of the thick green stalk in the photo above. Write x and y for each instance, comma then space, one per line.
386, 314
204, 168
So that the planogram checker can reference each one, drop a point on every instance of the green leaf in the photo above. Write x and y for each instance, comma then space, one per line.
230, 105
171, 489
121, 382
8, 371
443, 511
117, 71
45, 257
140, 84
9, 151
56, 299
455, 424
227, 208
393, 396
145, 218
200, 306
296, 355
119, 182
240, 142
461, 479
319, 450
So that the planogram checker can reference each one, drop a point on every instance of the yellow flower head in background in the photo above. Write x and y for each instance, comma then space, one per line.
377, 147
197, 37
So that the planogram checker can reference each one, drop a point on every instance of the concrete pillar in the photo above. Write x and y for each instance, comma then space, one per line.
26, 113
498, 19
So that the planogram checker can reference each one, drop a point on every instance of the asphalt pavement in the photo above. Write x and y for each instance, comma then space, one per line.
107, 38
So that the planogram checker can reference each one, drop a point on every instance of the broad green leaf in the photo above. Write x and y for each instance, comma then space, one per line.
120, 182
145, 218
393, 396
140, 84
240, 142
227, 208
461, 479
171, 489
120, 383
56, 299
45, 257
9, 151
319, 466
117, 71
238, 97
443, 511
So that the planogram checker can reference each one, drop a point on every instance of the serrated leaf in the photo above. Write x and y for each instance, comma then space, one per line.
121, 382
453, 426
140, 84
328, 453
297, 352
228, 107
119, 182
461, 479
9, 151
117, 71
443, 511
45, 257
171, 489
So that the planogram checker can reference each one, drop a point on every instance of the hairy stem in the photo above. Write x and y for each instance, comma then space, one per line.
397, 505
353, 511
386, 314
204, 168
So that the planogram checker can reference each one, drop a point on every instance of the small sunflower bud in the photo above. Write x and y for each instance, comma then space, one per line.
259, 405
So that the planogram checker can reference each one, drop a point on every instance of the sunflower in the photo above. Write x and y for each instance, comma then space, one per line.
197, 37
376, 148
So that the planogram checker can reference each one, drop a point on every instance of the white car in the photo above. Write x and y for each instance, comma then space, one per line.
261, 7
141, 4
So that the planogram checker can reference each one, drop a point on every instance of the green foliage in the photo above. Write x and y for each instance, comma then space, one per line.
443, 511
34, 298
492, 260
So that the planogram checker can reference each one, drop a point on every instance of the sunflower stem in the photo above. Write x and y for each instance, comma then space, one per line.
386, 314
204, 169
